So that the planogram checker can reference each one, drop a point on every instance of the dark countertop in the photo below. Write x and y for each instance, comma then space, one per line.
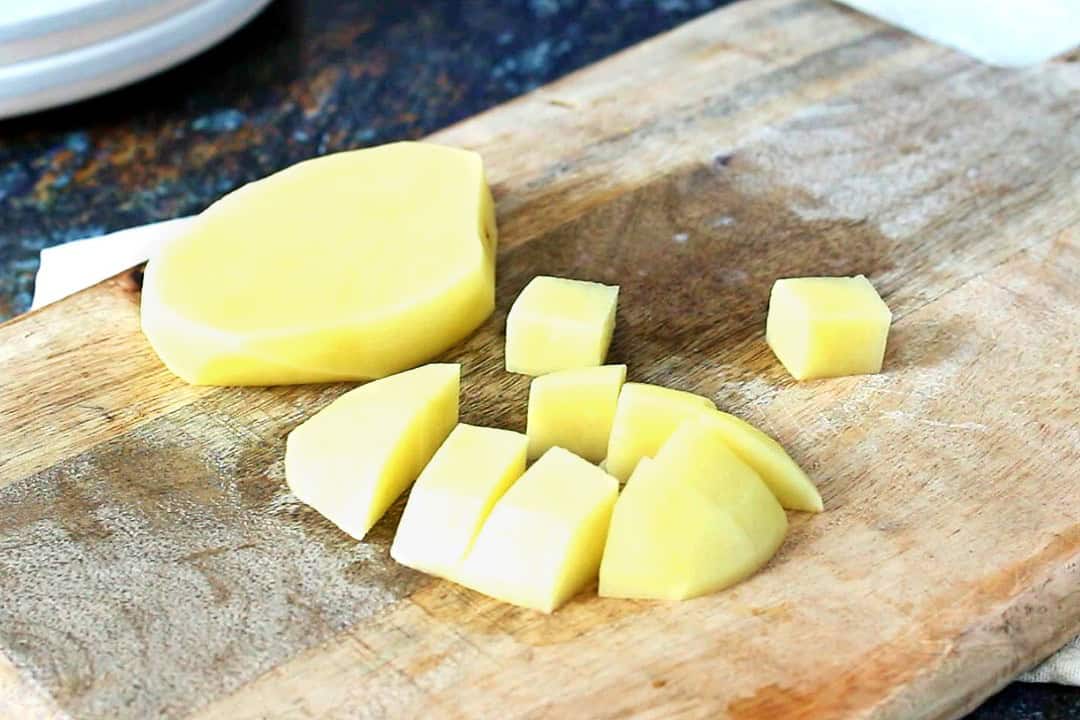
303, 79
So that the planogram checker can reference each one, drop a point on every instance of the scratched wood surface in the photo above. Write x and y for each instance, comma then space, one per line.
153, 564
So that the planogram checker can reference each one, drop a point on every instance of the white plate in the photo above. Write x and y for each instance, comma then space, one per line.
32, 29
60, 51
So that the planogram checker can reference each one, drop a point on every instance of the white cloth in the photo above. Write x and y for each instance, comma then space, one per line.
66, 269
1062, 668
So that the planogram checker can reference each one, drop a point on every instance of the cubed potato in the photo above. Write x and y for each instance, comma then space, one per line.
770, 461
454, 495
574, 410
827, 326
354, 457
559, 324
645, 416
692, 521
349, 266
543, 540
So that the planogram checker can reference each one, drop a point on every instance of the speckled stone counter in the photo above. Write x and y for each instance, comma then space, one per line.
306, 78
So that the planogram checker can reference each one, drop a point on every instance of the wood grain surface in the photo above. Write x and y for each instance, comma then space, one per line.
153, 564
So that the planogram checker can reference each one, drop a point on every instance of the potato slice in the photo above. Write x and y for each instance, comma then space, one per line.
645, 417
454, 495
350, 266
692, 521
558, 324
781, 474
574, 410
827, 326
543, 541
353, 458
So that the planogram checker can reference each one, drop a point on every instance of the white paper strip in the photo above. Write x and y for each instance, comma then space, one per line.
73, 266
1010, 33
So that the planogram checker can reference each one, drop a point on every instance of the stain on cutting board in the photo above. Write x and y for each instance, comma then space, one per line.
695, 257
103, 545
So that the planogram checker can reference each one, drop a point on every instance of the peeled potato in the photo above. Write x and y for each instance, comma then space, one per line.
354, 457
543, 540
350, 266
574, 409
692, 521
558, 324
645, 417
827, 326
454, 495
784, 477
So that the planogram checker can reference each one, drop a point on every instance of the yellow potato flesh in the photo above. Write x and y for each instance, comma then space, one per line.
352, 459
781, 474
692, 521
574, 410
454, 495
645, 417
558, 324
350, 266
543, 540
827, 326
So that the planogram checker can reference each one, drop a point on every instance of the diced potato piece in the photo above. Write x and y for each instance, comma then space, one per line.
353, 458
543, 541
645, 417
454, 495
785, 478
692, 521
349, 266
558, 324
827, 326
574, 409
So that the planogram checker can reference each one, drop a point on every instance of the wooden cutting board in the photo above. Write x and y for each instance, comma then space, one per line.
153, 564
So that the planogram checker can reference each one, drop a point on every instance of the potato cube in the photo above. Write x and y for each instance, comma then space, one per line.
827, 326
558, 324
543, 541
645, 417
574, 409
454, 495
692, 521
354, 457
